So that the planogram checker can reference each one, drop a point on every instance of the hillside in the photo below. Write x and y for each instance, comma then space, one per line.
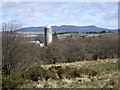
106, 75
65, 28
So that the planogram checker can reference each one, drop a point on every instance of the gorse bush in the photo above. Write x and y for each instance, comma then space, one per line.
57, 73
12, 81
35, 73
88, 71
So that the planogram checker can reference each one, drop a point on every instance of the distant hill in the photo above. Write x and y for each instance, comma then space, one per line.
68, 28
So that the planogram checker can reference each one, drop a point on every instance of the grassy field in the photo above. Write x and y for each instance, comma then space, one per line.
86, 35
107, 76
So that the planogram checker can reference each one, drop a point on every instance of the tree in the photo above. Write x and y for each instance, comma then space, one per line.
103, 31
55, 37
15, 48
110, 31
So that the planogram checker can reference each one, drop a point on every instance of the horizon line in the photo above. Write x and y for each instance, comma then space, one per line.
69, 25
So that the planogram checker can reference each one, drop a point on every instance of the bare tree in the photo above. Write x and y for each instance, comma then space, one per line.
15, 48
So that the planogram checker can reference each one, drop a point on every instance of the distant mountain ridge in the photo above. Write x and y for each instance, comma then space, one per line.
66, 28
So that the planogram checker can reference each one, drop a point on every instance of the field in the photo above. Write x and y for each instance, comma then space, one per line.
107, 76
81, 35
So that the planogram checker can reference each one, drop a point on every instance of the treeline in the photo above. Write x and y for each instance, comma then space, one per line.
94, 32
72, 49
78, 49
66, 33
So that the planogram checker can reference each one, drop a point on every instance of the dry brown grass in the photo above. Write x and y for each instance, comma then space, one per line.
80, 63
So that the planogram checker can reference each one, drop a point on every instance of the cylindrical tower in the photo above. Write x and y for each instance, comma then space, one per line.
48, 35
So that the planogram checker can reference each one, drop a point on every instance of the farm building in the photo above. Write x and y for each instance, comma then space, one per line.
48, 37
37, 43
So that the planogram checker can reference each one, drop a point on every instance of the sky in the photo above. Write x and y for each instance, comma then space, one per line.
33, 14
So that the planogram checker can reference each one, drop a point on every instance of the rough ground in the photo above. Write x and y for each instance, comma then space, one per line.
108, 77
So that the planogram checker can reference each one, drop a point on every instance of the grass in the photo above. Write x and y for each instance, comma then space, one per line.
107, 77
62, 36
78, 64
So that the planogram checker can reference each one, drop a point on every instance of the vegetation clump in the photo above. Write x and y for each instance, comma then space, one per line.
13, 81
57, 73
35, 73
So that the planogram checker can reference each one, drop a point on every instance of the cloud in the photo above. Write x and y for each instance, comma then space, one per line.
58, 13
60, 1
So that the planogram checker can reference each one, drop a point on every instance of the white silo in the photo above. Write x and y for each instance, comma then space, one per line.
48, 35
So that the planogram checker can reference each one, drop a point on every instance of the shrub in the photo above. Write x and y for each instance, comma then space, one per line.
54, 68
88, 71
75, 73
68, 72
12, 81
57, 72
52, 75
35, 73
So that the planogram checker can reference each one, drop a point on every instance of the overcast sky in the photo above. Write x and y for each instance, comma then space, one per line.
102, 14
